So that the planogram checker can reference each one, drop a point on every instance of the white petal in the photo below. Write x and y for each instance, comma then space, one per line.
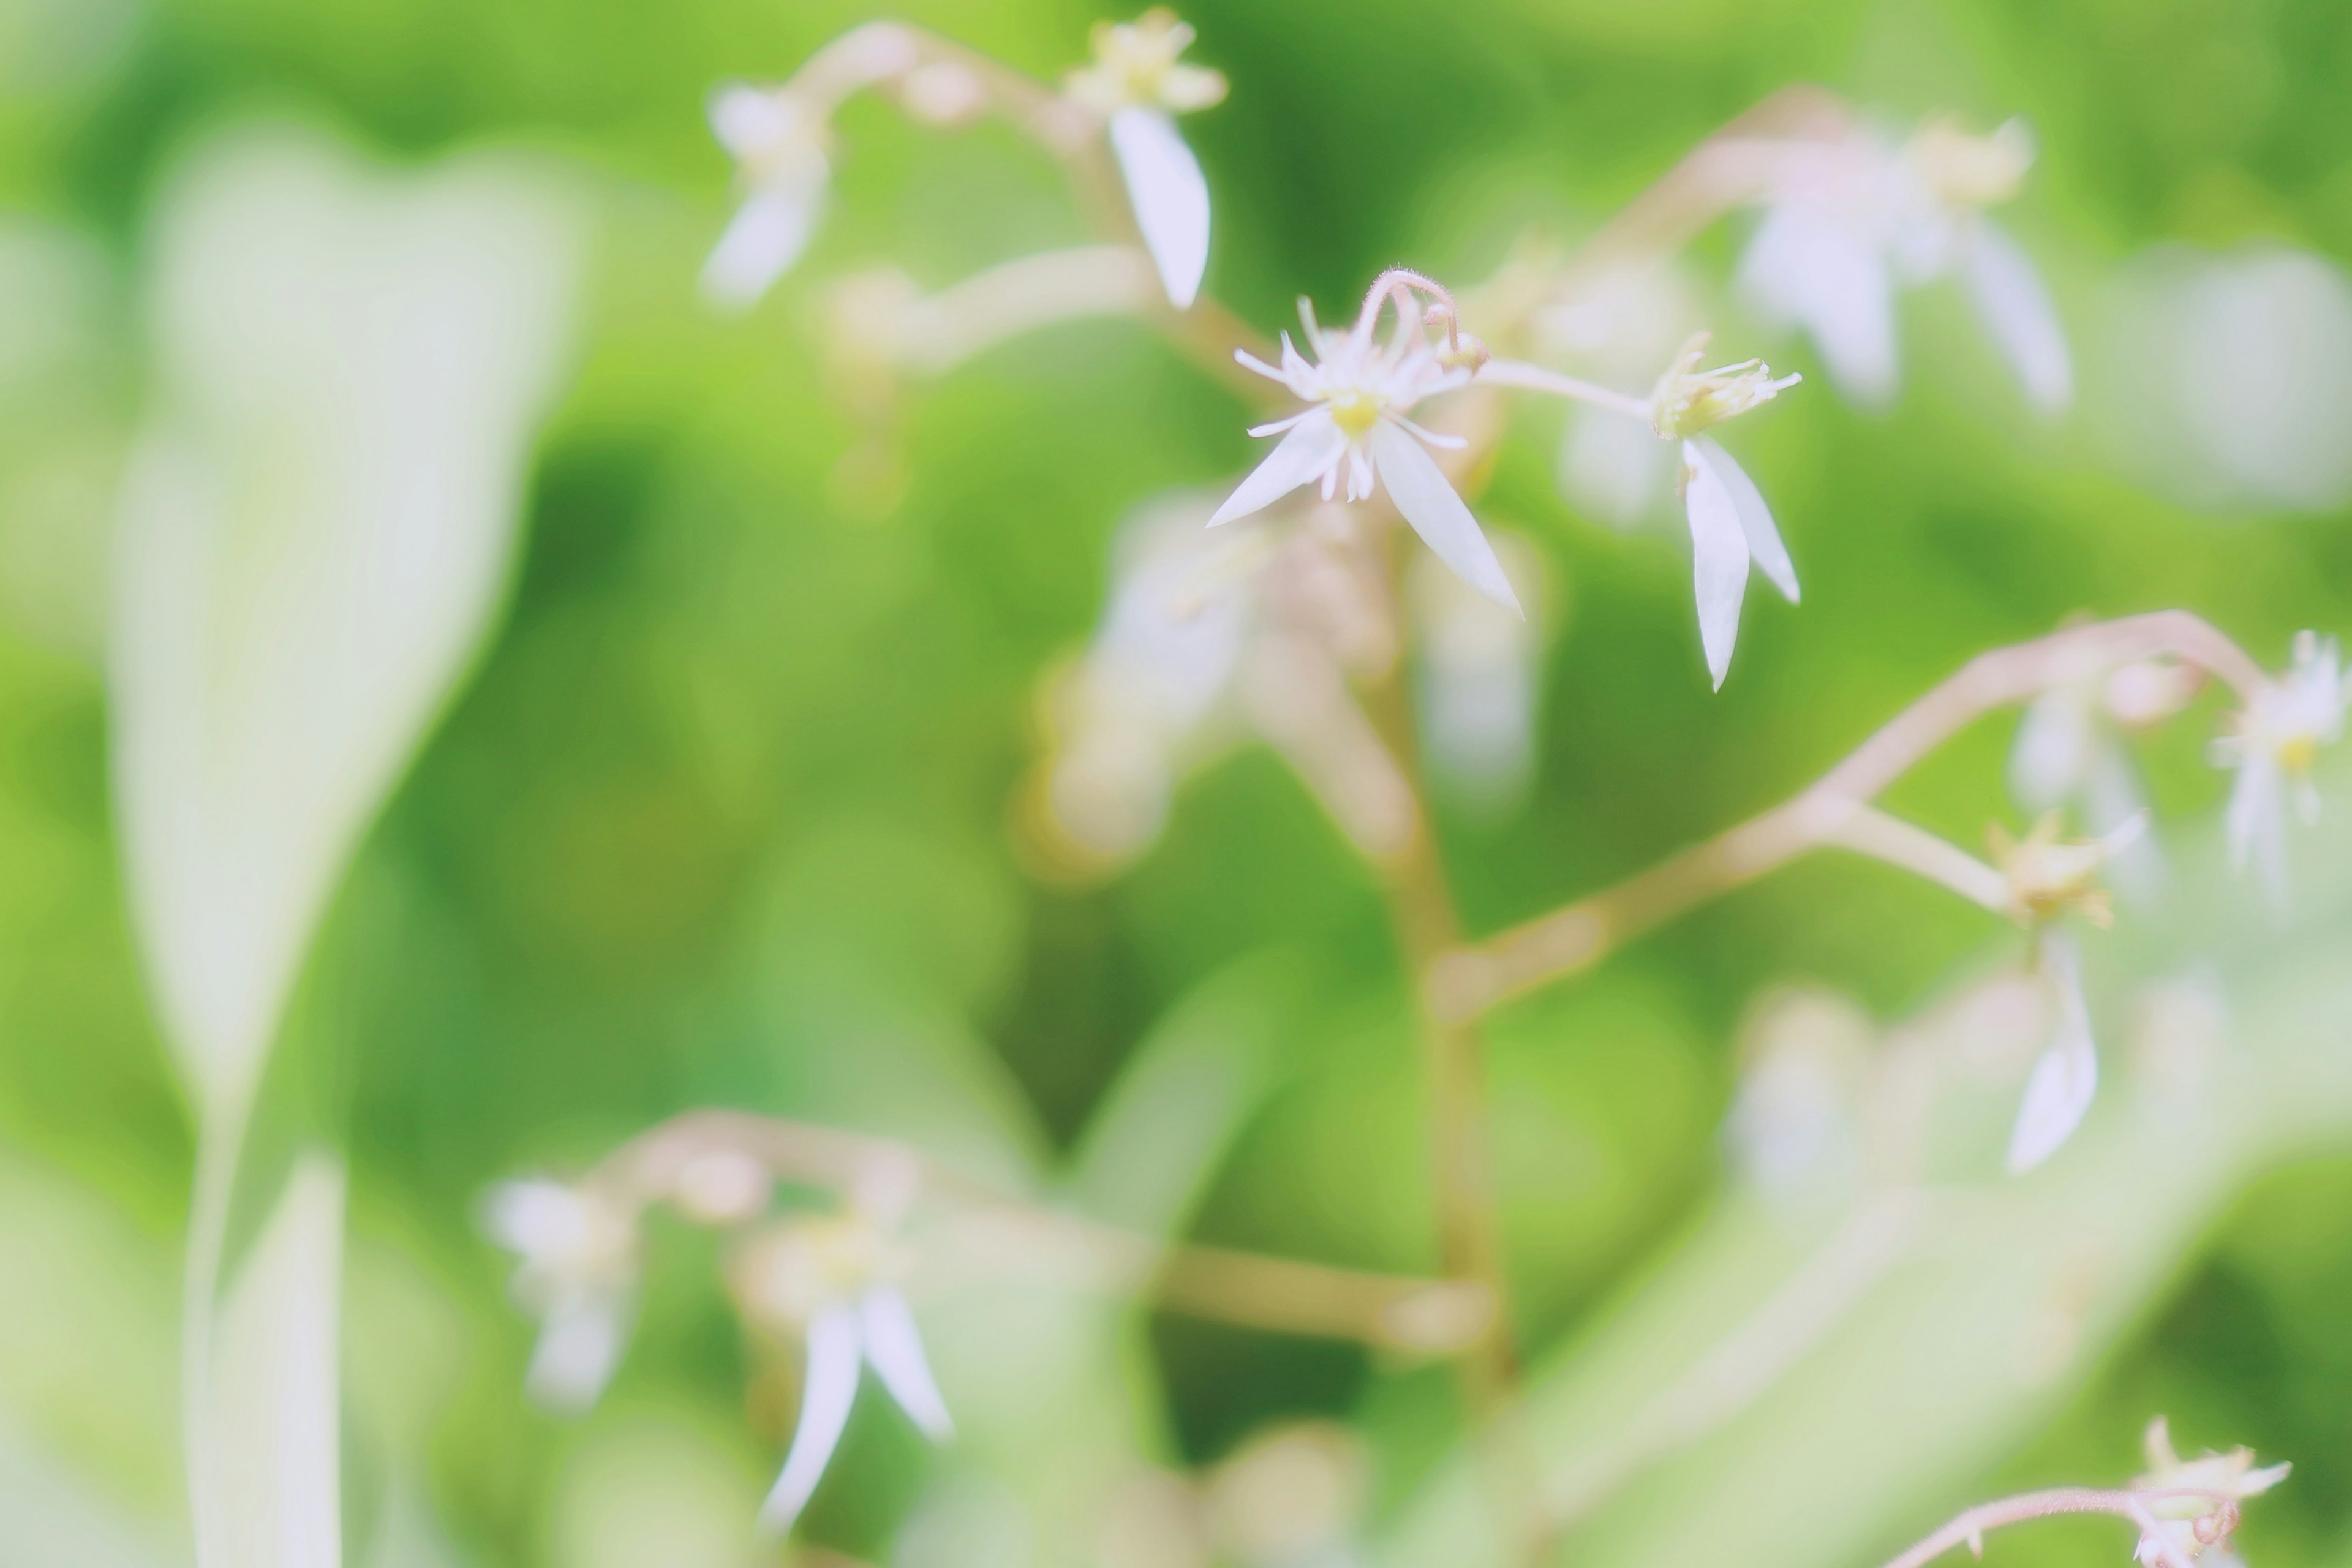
1764, 546
2256, 823
747, 121
1421, 491
896, 1350
2017, 313
579, 1346
1815, 272
1718, 561
1313, 445
766, 236
1613, 469
2066, 1077
1170, 197
830, 1384
2051, 758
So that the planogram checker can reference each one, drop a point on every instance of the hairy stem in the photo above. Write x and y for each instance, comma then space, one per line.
1970, 1527
1467, 981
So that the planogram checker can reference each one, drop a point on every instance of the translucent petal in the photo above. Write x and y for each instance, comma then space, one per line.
896, 1350
1812, 271
766, 236
1764, 546
2256, 823
579, 1344
747, 121
2015, 308
1718, 561
1313, 445
826, 1391
1428, 502
2067, 1075
2056, 740
1170, 196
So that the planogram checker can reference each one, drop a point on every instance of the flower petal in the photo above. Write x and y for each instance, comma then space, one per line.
2067, 1075
579, 1344
1815, 272
2057, 742
1307, 453
1764, 546
2015, 308
826, 1391
2256, 823
766, 236
1421, 492
1718, 560
1170, 196
896, 1350
747, 122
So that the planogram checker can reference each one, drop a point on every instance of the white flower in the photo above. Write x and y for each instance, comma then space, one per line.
778, 145
1852, 220
2278, 739
577, 1274
1137, 85
2066, 1077
2197, 1524
1360, 391
1730, 525
1480, 672
2070, 753
835, 1280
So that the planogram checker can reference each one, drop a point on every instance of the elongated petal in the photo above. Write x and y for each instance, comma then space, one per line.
1812, 271
896, 1350
579, 1344
1170, 197
2056, 742
766, 236
2017, 316
1718, 560
1764, 546
2256, 823
1421, 491
747, 121
2067, 1075
825, 1394
1313, 445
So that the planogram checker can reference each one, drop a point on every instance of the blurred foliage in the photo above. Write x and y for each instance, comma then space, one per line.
722, 815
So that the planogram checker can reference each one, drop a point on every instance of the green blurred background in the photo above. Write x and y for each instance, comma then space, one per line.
721, 816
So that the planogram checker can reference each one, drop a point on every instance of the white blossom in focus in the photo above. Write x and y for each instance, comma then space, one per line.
1360, 391
1138, 84
577, 1274
1852, 221
2277, 742
1730, 525
778, 145
834, 1280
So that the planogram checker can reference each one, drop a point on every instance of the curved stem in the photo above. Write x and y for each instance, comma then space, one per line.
1534, 378
1970, 1526
1466, 982
991, 1232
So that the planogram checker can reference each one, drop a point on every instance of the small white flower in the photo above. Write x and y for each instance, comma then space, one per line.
2277, 741
2200, 1524
1359, 392
778, 145
2066, 1076
1730, 525
835, 1280
1138, 84
2070, 753
577, 1274
1851, 221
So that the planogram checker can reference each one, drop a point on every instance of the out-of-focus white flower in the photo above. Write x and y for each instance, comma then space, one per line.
778, 144
1479, 671
1138, 84
2066, 1077
1730, 525
1359, 392
1852, 220
1292, 1497
835, 1280
2070, 753
1794, 1128
2277, 742
577, 1273
2200, 1521
1620, 327
2048, 876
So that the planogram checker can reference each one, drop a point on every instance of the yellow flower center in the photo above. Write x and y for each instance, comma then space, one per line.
2297, 752
1356, 412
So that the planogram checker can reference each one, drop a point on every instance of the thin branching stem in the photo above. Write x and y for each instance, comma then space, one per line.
1468, 981
1970, 1527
